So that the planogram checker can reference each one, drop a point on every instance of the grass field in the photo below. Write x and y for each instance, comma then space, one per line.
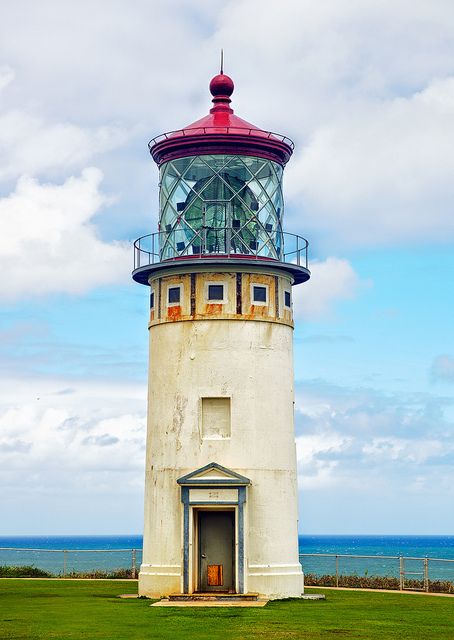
45, 609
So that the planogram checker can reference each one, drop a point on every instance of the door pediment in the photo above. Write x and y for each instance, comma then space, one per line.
213, 474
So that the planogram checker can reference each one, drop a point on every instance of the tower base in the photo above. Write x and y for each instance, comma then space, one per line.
276, 581
273, 582
156, 581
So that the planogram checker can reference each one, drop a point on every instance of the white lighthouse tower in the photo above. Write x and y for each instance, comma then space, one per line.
221, 490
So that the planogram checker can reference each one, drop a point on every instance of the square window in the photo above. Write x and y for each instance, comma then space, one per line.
287, 299
259, 294
174, 294
216, 292
152, 299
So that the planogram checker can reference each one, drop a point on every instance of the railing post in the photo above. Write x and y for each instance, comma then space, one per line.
426, 574
133, 564
65, 552
337, 571
401, 573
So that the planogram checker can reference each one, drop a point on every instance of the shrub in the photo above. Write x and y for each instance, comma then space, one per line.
114, 574
23, 572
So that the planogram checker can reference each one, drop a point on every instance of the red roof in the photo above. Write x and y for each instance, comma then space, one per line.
221, 131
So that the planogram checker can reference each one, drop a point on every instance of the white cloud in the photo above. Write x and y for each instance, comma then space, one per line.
6, 76
352, 437
49, 243
315, 472
381, 174
403, 450
364, 87
443, 368
31, 146
332, 280
78, 449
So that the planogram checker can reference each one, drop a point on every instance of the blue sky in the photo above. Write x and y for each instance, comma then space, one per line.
366, 90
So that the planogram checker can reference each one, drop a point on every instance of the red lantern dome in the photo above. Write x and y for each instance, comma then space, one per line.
221, 132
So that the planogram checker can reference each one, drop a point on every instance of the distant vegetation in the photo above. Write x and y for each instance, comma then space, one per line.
376, 582
33, 572
23, 572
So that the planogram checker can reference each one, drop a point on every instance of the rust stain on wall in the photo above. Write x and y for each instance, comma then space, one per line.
214, 309
174, 313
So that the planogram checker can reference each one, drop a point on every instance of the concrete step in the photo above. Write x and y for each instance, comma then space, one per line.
216, 596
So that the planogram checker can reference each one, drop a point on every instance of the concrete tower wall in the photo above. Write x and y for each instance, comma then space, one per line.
200, 352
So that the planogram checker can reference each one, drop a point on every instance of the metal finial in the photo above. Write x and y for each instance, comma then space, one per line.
222, 61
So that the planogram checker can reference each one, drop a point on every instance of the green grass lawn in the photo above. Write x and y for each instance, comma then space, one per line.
35, 609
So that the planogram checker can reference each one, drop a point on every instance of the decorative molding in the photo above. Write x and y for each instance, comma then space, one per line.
202, 476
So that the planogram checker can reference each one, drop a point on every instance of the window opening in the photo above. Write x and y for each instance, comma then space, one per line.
174, 295
216, 292
287, 299
259, 294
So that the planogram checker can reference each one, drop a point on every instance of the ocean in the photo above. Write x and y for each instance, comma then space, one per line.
116, 552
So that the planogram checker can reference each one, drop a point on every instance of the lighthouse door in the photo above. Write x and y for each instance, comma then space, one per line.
216, 550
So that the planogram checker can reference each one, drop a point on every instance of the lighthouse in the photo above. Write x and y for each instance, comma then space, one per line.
221, 479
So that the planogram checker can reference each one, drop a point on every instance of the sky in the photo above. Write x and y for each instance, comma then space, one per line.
365, 88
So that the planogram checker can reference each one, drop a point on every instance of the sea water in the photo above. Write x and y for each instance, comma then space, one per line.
89, 553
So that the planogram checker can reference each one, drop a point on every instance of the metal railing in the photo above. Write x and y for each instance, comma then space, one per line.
409, 573
64, 562
224, 242
406, 572
245, 131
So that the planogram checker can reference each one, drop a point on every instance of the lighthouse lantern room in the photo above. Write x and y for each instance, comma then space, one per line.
221, 486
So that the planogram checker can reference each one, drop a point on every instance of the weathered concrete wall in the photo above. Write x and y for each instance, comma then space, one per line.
248, 360
238, 304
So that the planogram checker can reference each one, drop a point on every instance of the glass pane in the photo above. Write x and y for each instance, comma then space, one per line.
215, 292
220, 204
174, 295
259, 294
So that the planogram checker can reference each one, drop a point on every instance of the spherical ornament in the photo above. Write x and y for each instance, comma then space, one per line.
221, 85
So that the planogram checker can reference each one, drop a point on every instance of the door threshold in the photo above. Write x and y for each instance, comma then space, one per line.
212, 595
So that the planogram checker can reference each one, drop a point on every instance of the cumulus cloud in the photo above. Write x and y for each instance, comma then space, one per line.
365, 88
403, 450
443, 368
31, 146
78, 448
6, 76
49, 243
352, 437
333, 279
388, 170
313, 452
